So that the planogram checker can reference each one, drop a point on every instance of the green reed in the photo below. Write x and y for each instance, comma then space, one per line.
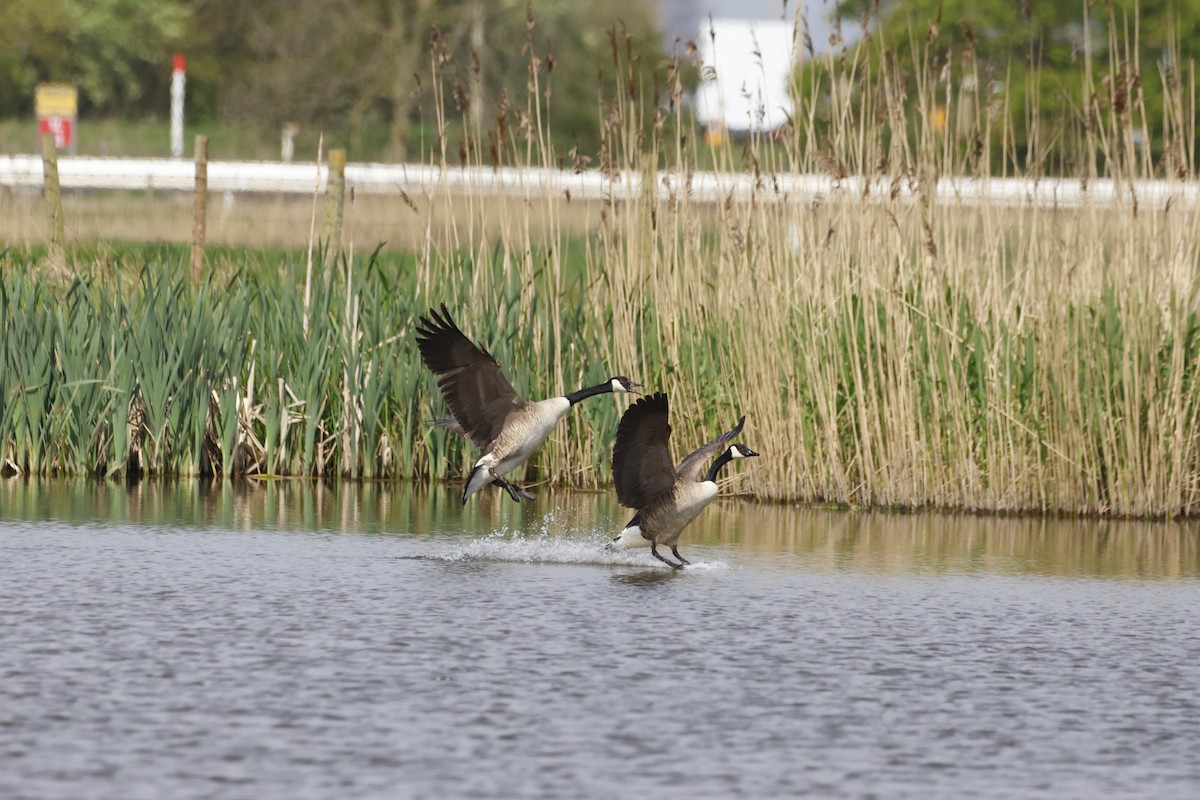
151, 374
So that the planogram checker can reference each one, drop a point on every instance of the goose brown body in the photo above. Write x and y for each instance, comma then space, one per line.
667, 498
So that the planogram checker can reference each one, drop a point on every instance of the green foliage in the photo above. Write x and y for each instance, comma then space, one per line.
349, 69
142, 372
116, 51
1029, 82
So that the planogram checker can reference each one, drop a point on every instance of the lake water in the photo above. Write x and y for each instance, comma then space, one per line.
279, 640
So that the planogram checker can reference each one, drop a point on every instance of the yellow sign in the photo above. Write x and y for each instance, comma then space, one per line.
56, 100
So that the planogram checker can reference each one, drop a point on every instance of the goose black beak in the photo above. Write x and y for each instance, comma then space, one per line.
747, 452
633, 387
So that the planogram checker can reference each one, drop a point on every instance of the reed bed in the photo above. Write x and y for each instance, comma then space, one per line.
887, 352
128, 371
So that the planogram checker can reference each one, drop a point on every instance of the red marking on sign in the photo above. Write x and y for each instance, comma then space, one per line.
63, 129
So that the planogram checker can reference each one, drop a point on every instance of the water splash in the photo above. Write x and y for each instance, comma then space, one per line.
555, 543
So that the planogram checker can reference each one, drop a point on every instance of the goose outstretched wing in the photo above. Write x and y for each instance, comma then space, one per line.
692, 466
478, 393
642, 467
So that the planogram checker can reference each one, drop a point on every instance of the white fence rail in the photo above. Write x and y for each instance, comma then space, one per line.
25, 171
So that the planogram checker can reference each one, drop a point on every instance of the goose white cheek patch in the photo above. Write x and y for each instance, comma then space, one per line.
630, 537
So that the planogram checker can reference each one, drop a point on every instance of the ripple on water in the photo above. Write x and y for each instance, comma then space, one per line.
497, 652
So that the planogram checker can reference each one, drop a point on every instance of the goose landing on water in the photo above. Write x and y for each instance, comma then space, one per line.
486, 408
665, 497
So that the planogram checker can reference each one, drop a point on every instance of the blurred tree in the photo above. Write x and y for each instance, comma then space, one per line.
116, 51
553, 58
217, 45
304, 61
1052, 65
341, 63
336, 65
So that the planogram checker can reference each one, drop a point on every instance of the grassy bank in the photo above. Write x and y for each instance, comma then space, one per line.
887, 352
151, 138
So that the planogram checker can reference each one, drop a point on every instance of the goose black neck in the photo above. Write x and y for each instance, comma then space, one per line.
583, 394
725, 458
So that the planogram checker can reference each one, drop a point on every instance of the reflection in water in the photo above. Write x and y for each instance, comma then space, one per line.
887, 542
648, 578
822, 539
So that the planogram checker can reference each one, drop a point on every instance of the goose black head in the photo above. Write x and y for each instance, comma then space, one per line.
622, 384
740, 450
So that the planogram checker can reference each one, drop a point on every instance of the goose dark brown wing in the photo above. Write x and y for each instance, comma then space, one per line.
479, 395
692, 466
642, 467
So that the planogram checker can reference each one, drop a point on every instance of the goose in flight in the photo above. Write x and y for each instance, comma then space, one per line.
485, 407
666, 497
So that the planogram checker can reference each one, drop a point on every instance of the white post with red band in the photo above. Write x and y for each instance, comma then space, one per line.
178, 79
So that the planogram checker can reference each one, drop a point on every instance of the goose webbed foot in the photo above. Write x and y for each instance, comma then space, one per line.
665, 560
514, 491
675, 552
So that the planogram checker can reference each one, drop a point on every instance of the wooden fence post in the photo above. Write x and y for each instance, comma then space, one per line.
200, 212
56, 248
335, 198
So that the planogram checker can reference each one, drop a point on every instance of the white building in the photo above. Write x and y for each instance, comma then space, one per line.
745, 74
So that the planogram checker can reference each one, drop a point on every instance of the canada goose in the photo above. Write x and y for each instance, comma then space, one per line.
665, 497
486, 408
